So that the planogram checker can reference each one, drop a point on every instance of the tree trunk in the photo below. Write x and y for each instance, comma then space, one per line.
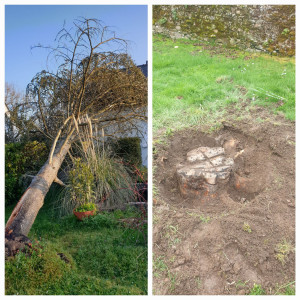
32, 200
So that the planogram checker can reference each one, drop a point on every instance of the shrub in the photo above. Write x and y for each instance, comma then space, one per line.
21, 158
80, 189
97, 178
81, 183
129, 150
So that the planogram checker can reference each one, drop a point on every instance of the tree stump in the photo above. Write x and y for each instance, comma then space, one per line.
204, 172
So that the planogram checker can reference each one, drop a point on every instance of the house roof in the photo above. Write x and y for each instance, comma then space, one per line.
144, 68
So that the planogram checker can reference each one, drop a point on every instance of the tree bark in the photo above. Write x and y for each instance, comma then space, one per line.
26, 210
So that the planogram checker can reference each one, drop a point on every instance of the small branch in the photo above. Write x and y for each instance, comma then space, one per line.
57, 180
71, 156
66, 141
42, 113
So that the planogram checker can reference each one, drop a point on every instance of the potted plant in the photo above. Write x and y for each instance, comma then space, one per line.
85, 210
82, 188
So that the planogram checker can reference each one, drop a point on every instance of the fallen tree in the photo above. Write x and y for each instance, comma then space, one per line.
96, 82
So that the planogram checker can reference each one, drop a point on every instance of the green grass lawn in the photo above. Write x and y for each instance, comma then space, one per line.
193, 84
104, 257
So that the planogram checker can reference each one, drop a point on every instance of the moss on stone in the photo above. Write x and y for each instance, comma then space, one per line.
248, 25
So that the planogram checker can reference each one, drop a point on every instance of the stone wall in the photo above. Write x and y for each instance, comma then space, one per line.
268, 28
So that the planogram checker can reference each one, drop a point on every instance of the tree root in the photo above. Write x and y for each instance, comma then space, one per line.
14, 243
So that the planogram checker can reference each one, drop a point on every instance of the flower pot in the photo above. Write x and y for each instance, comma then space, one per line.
84, 214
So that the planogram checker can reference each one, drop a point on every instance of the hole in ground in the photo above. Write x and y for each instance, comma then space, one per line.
192, 181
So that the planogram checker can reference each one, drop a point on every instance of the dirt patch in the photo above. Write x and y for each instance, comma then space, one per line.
226, 242
15, 243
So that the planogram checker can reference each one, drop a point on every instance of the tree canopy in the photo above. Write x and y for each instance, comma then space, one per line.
95, 77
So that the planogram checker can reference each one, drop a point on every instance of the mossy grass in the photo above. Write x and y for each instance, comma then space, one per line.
193, 86
103, 256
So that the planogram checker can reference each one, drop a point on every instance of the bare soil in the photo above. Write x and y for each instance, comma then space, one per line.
224, 243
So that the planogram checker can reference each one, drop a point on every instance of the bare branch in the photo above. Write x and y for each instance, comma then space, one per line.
57, 180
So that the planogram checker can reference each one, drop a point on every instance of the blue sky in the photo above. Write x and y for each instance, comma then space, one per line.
30, 25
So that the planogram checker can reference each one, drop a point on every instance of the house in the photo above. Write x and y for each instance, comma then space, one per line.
144, 125
137, 128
